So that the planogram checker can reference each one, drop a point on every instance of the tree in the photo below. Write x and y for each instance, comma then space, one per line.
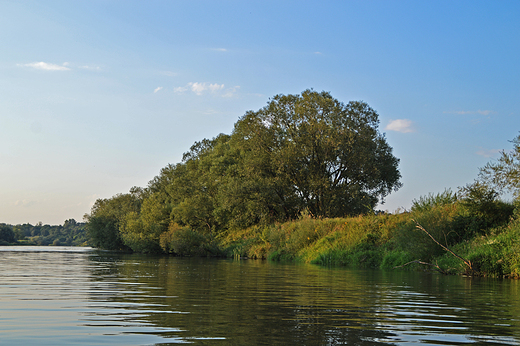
312, 152
206, 165
504, 174
140, 230
305, 152
107, 217
6, 234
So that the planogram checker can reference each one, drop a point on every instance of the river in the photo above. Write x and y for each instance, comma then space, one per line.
78, 296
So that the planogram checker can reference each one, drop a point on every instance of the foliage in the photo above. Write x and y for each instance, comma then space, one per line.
438, 223
298, 181
6, 234
425, 203
305, 152
504, 174
140, 230
496, 254
108, 215
182, 241
395, 258
384, 241
71, 233
482, 202
318, 154
480, 210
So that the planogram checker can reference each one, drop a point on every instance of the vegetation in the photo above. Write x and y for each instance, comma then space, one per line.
305, 153
504, 174
299, 180
71, 233
6, 234
388, 241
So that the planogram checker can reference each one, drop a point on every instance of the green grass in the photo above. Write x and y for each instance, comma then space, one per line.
387, 241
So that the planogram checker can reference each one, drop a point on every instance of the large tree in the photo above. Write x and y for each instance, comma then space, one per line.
318, 154
305, 152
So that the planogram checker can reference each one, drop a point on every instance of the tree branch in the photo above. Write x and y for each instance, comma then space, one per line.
425, 263
467, 262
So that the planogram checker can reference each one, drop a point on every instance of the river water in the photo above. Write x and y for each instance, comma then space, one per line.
77, 296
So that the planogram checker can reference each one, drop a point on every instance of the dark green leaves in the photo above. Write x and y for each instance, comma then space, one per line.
327, 157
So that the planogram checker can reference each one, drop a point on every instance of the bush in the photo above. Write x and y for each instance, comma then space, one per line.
482, 201
281, 256
302, 233
330, 258
364, 256
487, 261
426, 203
437, 221
182, 241
481, 210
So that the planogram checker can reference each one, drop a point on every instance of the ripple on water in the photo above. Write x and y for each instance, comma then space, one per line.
91, 298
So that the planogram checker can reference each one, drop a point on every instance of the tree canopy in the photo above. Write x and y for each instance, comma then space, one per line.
306, 153
6, 234
504, 173
319, 153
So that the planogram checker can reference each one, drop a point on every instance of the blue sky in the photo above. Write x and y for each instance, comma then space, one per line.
98, 96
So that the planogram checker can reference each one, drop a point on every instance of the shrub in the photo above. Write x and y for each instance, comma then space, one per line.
487, 261
437, 221
481, 210
330, 258
182, 241
364, 257
426, 203
481, 200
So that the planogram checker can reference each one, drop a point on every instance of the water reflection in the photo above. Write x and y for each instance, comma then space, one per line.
254, 302
247, 302
110, 299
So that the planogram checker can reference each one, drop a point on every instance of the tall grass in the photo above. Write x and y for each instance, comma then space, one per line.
389, 240
341, 241
496, 254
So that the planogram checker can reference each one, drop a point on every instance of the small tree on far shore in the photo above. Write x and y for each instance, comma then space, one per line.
6, 234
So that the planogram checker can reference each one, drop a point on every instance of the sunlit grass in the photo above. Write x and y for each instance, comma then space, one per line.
386, 241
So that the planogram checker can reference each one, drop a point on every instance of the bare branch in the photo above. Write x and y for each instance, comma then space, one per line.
467, 262
425, 263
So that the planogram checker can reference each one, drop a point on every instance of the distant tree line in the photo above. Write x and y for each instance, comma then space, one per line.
71, 233
301, 154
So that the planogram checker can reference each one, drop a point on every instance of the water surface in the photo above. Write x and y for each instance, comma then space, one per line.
75, 296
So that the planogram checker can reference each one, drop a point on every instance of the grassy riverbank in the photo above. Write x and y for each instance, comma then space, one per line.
471, 233
387, 241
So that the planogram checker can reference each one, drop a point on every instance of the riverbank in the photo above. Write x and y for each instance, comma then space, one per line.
71, 233
387, 241
470, 232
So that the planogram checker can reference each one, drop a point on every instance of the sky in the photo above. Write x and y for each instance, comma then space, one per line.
97, 96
